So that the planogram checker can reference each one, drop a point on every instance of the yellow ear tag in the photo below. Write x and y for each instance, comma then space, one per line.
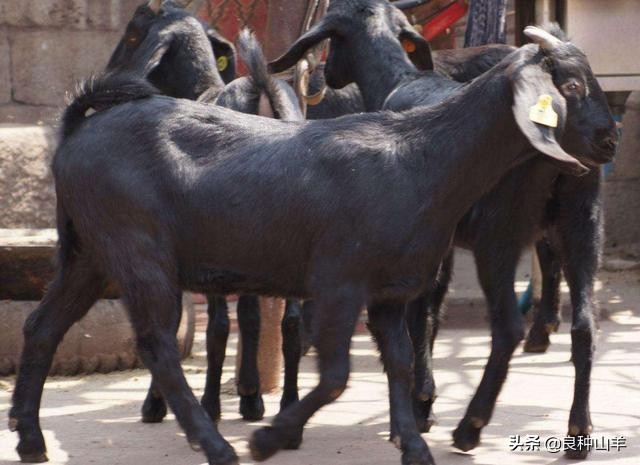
222, 63
542, 112
408, 46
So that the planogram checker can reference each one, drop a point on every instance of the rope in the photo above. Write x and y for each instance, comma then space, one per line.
306, 66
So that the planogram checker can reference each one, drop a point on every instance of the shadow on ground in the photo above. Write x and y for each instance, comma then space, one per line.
95, 419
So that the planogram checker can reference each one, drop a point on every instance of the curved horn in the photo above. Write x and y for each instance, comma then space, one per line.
155, 5
541, 37
326, 28
408, 4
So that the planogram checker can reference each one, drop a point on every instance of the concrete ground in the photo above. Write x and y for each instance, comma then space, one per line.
95, 419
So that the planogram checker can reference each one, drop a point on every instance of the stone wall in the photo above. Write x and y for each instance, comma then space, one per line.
47, 45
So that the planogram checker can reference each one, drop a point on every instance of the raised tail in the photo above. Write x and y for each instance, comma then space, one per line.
100, 93
276, 98
251, 53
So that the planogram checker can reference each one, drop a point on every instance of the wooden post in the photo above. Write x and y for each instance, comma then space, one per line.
269, 344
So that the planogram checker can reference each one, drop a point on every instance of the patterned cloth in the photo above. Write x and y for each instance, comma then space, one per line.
229, 16
486, 23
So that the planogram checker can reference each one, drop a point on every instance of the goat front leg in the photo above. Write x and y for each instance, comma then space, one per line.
389, 328
423, 317
251, 404
217, 335
579, 232
546, 319
292, 351
497, 274
74, 290
336, 313
154, 408
150, 297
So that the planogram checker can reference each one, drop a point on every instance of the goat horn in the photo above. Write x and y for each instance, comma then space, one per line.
541, 37
155, 5
408, 4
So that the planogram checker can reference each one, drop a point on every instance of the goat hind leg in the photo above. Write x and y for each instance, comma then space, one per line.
423, 318
334, 321
251, 403
291, 350
547, 316
389, 327
150, 298
75, 289
496, 273
154, 408
217, 335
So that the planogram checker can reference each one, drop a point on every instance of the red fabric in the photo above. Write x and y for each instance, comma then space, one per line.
446, 18
229, 16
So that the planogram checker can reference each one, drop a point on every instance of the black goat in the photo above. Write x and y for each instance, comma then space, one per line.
352, 211
166, 44
533, 199
174, 50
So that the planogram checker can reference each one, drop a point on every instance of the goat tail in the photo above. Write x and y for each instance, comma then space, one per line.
251, 53
99, 93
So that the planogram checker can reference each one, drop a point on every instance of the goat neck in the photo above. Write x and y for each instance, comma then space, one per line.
470, 140
379, 70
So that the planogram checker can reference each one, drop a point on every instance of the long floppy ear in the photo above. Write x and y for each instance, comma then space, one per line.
328, 26
417, 48
225, 54
529, 82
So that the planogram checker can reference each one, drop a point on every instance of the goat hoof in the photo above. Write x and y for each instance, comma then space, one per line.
212, 407
31, 447
154, 409
195, 446
577, 454
424, 424
537, 341
34, 457
423, 413
417, 453
466, 436
252, 407
226, 457
578, 449
264, 443
294, 443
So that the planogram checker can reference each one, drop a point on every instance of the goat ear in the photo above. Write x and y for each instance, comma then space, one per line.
328, 26
529, 83
417, 48
225, 54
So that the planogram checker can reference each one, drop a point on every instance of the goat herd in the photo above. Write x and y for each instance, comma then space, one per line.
167, 179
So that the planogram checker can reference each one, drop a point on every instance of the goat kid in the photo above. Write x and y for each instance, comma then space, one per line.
326, 217
533, 198
164, 43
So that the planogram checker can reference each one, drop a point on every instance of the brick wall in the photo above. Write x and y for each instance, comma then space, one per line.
46, 45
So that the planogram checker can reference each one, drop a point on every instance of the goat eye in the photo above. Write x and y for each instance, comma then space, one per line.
132, 40
572, 87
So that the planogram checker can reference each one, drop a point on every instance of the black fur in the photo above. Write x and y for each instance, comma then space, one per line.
516, 213
174, 50
104, 94
352, 211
